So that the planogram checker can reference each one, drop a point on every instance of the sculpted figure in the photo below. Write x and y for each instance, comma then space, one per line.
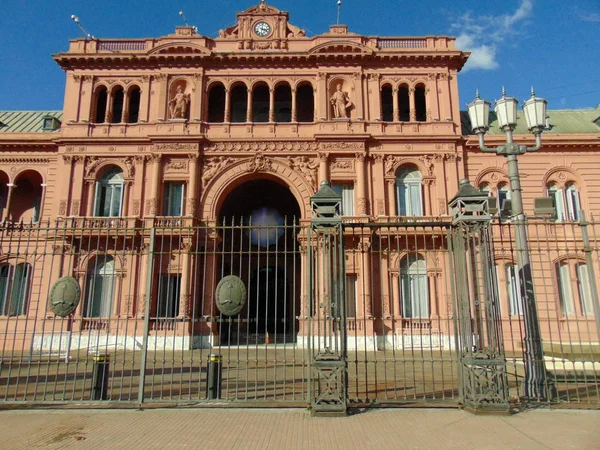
178, 105
340, 102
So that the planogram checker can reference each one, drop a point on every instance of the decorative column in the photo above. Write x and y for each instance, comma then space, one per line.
374, 93
364, 247
432, 100
271, 105
109, 107
444, 88
161, 108
321, 97
145, 94
152, 203
391, 194
91, 184
249, 106
361, 185
197, 107
358, 96
125, 112
294, 106
227, 105
379, 191
411, 102
192, 185
9, 187
85, 99
396, 294
428, 206
396, 105
323, 167
184, 304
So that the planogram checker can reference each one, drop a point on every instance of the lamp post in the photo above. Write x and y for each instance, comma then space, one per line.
534, 109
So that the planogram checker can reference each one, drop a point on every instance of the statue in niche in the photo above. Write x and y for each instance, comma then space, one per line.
178, 105
340, 102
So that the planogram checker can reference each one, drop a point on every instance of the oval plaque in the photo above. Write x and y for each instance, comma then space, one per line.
64, 296
231, 295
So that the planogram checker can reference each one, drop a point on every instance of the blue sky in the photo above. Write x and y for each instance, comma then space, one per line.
552, 44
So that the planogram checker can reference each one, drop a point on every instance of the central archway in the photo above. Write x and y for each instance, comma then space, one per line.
259, 244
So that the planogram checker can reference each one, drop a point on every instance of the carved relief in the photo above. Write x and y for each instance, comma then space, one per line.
342, 165
176, 165
191, 206
428, 163
136, 208
342, 146
442, 206
260, 164
390, 164
362, 206
93, 163
62, 208
213, 166
75, 207
151, 206
174, 147
380, 207
306, 167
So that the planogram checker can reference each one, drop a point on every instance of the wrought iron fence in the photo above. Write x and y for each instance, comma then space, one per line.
148, 317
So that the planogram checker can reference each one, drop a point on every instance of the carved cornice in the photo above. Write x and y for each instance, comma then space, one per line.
24, 160
174, 147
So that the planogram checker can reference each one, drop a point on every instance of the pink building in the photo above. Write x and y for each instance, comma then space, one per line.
147, 187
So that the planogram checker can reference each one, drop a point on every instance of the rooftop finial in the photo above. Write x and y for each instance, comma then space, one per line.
339, 3
503, 92
532, 92
477, 94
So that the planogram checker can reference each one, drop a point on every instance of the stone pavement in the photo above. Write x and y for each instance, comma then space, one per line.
293, 428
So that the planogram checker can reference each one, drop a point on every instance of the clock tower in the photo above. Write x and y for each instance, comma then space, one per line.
262, 27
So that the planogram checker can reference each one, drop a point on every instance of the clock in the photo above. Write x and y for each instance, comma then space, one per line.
262, 29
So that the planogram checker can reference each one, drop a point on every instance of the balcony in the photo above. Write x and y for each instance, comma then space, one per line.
99, 226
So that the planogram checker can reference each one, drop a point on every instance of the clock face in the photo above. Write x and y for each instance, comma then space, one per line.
262, 29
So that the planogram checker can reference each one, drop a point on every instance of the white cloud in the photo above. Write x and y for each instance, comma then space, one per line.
591, 17
484, 35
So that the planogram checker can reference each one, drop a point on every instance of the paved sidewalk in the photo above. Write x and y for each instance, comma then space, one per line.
291, 429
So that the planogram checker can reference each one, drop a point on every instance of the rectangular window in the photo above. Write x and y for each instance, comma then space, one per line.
513, 290
173, 199
351, 285
346, 191
565, 291
5, 272
168, 298
583, 286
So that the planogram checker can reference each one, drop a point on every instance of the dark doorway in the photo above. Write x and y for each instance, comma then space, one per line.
260, 224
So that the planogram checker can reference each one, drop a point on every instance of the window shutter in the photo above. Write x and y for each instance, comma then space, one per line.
566, 293
585, 294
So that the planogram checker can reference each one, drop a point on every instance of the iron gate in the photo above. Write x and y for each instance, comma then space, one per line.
346, 314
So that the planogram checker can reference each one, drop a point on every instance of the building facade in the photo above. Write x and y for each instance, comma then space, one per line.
181, 144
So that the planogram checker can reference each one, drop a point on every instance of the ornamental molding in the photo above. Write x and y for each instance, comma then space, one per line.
333, 146
176, 165
24, 160
253, 146
260, 164
174, 147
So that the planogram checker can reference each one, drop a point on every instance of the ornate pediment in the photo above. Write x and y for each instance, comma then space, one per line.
183, 47
341, 47
262, 23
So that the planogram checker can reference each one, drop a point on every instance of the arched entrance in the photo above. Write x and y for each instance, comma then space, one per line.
260, 223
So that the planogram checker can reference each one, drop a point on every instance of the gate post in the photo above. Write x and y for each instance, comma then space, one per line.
477, 325
327, 306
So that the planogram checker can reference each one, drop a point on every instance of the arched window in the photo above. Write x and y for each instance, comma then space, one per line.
566, 201
414, 288
409, 198
26, 199
216, 104
420, 104
109, 194
118, 100
239, 104
569, 272
283, 103
260, 103
387, 104
101, 100
100, 287
4, 180
134, 105
14, 289
404, 104
305, 103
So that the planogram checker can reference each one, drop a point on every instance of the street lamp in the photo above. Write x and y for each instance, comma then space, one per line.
534, 109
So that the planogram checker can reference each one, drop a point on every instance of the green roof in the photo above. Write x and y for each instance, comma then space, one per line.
26, 121
562, 121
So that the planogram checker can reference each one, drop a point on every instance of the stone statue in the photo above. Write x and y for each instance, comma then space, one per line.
341, 102
178, 105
